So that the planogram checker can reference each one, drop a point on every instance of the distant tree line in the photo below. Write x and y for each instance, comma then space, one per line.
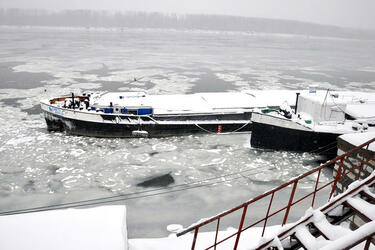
107, 19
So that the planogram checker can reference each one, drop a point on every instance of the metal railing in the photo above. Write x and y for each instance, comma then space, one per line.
291, 202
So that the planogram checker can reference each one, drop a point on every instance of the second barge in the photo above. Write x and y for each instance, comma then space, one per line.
318, 119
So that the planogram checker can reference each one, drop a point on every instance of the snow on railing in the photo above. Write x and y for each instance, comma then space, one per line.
357, 237
291, 202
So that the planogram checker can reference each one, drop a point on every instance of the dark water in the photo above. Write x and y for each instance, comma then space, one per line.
21, 80
40, 168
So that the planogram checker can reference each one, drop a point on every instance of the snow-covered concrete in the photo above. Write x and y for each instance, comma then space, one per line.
249, 239
98, 228
357, 139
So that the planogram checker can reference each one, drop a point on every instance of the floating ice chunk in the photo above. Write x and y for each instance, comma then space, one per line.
86, 86
164, 147
228, 77
22, 140
77, 152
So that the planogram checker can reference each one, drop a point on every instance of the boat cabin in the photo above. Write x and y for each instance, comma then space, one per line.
334, 106
143, 110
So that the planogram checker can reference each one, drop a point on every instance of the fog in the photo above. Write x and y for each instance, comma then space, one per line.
130, 19
346, 13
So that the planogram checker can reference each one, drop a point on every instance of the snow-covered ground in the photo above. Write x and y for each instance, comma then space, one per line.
98, 228
249, 240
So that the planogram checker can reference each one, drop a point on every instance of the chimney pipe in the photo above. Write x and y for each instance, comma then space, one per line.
295, 109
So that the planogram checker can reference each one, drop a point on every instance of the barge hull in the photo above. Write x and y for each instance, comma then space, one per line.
271, 136
112, 129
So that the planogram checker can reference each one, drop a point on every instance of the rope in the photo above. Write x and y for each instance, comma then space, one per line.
326, 150
226, 133
317, 149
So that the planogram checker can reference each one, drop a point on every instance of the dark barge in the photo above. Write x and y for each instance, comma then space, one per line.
318, 119
135, 114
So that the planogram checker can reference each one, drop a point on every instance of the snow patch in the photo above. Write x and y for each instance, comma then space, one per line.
74, 229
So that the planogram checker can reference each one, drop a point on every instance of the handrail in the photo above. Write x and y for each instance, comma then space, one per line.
322, 209
291, 203
60, 99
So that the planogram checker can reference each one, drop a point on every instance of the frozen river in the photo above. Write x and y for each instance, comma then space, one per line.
39, 168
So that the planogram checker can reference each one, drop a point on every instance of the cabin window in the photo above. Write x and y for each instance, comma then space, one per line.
124, 111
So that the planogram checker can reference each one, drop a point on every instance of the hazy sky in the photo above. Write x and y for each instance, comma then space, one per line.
349, 13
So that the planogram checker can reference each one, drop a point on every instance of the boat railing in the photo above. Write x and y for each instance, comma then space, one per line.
61, 99
282, 213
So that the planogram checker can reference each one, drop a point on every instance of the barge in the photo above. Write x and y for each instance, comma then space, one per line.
318, 118
136, 114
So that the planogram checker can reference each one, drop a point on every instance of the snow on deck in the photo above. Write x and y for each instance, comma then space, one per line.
361, 111
98, 228
200, 102
339, 97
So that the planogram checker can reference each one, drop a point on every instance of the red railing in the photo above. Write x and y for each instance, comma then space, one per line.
294, 182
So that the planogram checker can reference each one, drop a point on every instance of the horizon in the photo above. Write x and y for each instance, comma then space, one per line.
342, 13
171, 14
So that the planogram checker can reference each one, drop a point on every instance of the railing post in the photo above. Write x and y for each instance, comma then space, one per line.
290, 202
367, 245
316, 187
240, 227
217, 231
195, 238
363, 158
268, 211
337, 177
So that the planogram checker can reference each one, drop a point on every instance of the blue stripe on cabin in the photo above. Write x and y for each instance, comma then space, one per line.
144, 111
108, 110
